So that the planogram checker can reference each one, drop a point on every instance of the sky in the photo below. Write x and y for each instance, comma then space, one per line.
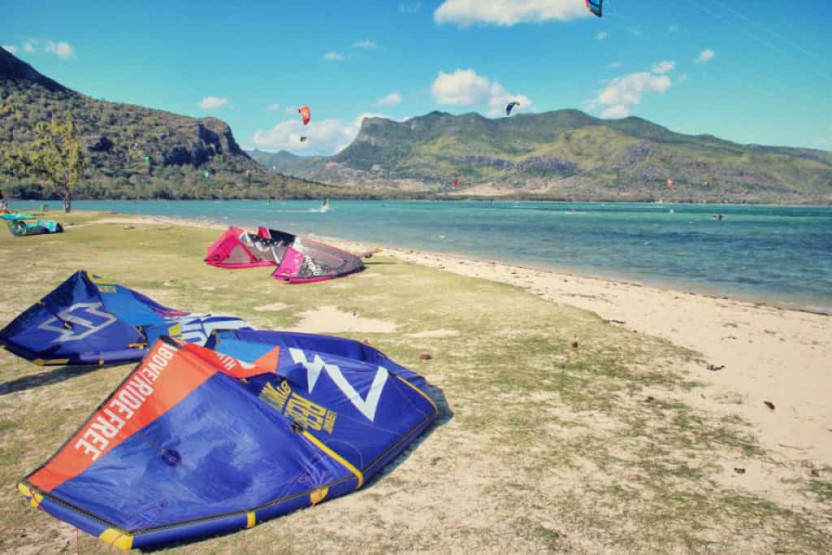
750, 71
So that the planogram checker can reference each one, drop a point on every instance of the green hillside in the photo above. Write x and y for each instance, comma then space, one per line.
568, 154
132, 152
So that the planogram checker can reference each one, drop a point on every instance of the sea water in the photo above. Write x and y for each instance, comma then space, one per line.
779, 254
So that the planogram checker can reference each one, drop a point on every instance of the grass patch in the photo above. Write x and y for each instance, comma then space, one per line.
550, 447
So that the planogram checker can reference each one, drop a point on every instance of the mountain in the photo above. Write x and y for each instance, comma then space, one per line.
132, 151
284, 162
566, 155
136, 152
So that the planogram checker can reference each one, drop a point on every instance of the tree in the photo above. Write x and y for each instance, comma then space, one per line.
6, 158
56, 156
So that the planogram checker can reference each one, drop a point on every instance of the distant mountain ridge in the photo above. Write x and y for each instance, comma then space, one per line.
285, 162
568, 155
137, 152
132, 151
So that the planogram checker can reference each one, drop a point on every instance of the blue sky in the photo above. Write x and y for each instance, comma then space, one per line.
749, 71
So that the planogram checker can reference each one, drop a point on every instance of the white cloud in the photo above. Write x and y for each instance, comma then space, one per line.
9, 48
366, 44
684, 77
705, 56
334, 56
211, 102
272, 107
291, 110
465, 88
323, 137
617, 111
622, 93
61, 49
462, 87
662, 67
390, 99
602, 35
507, 12
614, 65
409, 7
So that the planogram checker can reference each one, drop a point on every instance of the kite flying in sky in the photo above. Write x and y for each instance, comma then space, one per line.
595, 6
305, 115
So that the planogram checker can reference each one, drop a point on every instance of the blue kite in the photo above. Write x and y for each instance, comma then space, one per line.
89, 320
199, 442
596, 7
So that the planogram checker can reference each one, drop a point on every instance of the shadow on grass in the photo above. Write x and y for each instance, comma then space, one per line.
445, 415
48, 377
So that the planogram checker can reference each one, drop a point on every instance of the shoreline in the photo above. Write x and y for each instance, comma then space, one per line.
762, 353
473, 198
362, 246
758, 353
786, 301
569, 272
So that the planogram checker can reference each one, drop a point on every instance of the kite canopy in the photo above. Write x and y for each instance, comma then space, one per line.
19, 227
298, 260
196, 443
595, 6
238, 248
305, 114
17, 216
88, 320
510, 106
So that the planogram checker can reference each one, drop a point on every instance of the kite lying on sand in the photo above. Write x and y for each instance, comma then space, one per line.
20, 226
298, 259
88, 320
198, 442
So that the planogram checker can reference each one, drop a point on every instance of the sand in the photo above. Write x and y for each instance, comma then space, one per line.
328, 319
763, 353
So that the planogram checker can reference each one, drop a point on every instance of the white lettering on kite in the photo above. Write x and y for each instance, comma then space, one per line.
84, 319
366, 406
114, 416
